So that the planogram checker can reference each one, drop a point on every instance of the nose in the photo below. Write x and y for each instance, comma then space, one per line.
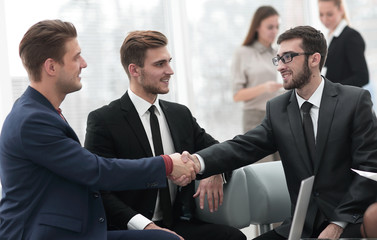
280, 66
83, 63
169, 70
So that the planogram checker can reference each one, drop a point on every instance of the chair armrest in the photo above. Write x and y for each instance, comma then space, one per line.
235, 208
268, 193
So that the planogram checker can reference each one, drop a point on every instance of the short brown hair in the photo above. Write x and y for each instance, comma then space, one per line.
45, 39
260, 14
136, 44
313, 40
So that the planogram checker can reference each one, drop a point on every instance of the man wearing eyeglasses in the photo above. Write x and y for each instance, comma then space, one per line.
319, 128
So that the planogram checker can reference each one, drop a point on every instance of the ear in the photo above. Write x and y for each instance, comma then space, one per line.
314, 60
49, 66
134, 70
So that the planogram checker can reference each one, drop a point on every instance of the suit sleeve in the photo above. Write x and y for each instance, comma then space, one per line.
99, 141
242, 150
203, 140
364, 156
355, 47
52, 145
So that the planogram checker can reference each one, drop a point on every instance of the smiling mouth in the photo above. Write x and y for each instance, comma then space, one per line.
285, 75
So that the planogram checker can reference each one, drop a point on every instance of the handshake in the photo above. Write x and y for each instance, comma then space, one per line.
185, 168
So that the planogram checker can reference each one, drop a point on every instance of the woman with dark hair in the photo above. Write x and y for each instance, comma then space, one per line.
345, 62
253, 74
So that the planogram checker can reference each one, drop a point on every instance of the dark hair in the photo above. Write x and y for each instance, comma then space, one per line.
43, 40
136, 44
312, 40
260, 14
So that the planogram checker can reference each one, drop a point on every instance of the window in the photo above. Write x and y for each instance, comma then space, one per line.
203, 35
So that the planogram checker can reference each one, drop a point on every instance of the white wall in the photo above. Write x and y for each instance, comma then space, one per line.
6, 87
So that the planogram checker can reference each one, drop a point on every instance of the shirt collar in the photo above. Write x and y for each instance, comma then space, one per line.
339, 29
141, 105
261, 48
316, 97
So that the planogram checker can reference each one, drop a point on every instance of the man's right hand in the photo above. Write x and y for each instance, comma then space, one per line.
183, 171
153, 226
186, 157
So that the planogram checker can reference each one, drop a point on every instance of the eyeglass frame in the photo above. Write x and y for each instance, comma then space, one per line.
275, 60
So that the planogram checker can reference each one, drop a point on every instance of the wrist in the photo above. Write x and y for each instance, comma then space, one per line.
151, 225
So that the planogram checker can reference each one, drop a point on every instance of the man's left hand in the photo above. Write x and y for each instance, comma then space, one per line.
213, 187
332, 231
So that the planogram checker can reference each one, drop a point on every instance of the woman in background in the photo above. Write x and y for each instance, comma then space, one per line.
254, 76
345, 62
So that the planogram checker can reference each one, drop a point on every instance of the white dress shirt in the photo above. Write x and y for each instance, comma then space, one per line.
139, 222
315, 99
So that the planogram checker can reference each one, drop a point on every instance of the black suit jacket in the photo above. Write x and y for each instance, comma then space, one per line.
346, 138
116, 130
345, 61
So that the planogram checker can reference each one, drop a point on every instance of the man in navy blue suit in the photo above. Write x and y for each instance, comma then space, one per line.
50, 183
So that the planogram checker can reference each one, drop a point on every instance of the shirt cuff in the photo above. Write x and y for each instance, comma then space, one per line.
168, 164
138, 222
341, 224
223, 176
202, 165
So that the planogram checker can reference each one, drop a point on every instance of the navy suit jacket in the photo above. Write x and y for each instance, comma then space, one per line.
345, 61
346, 138
51, 184
106, 131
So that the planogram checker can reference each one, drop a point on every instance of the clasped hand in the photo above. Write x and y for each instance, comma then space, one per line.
185, 168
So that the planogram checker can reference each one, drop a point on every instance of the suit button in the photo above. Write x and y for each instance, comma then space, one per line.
101, 220
316, 194
96, 195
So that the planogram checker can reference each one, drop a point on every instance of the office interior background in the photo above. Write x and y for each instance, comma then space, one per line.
203, 36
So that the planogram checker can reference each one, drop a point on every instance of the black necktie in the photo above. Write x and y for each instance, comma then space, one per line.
165, 201
308, 129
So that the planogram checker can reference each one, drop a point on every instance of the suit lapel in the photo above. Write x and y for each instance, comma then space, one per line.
325, 118
171, 120
295, 122
132, 118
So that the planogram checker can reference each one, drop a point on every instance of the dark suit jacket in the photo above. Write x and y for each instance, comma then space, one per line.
346, 138
116, 130
51, 184
345, 61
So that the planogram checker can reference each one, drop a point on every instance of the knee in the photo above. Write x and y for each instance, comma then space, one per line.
369, 225
164, 235
235, 234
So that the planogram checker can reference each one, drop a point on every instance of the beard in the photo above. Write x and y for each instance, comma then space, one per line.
301, 79
151, 88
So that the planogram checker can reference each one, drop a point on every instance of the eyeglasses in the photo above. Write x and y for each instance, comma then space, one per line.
287, 57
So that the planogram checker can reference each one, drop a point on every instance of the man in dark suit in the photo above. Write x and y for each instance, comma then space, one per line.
50, 183
122, 129
338, 133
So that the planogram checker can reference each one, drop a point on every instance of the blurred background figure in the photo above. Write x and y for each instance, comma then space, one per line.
345, 62
253, 74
